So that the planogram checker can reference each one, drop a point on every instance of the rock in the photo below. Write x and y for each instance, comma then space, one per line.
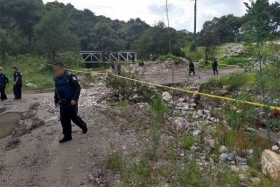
223, 149
209, 142
241, 161
166, 96
231, 156
186, 108
271, 164
207, 113
250, 129
200, 113
193, 105
242, 177
196, 132
275, 148
31, 85
223, 157
255, 180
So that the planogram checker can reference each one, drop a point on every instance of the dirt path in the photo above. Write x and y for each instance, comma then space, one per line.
32, 156
35, 158
202, 75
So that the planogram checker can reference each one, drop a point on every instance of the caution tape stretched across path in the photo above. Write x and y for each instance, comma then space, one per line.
182, 90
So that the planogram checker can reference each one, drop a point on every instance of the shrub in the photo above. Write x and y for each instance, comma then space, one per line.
70, 59
127, 89
187, 142
176, 59
115, 162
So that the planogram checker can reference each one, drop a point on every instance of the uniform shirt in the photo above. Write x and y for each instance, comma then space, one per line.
19, 75
191, 65
215, 64
73, 81
3, 80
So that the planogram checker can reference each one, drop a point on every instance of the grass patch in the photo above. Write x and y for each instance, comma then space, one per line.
187, 142
115, 162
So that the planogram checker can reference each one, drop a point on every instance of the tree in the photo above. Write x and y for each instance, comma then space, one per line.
155, 41
24, 14
228, 27
209, 38
104, 38
53, 35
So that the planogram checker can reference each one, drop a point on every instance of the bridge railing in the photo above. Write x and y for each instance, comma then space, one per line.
99, 56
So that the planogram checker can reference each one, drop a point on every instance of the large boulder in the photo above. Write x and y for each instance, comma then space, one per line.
271, 164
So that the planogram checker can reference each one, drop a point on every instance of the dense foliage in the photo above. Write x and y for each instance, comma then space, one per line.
32, 27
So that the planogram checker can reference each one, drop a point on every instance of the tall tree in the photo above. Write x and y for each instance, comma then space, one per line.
104, 38
53, 34
24, 14
209, 38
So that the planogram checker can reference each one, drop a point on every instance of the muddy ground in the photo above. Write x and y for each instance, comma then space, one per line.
32, 156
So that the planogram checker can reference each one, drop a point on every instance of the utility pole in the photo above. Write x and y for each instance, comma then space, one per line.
194, 34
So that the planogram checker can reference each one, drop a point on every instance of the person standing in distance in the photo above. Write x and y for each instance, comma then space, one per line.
191, 68
215, 66
67, 93
17, 83
3, 82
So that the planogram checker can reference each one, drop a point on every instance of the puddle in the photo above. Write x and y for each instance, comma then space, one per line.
8, 122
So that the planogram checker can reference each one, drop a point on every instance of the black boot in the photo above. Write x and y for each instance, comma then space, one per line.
85, 129
65, 139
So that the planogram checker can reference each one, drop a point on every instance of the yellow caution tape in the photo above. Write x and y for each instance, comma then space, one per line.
186, 91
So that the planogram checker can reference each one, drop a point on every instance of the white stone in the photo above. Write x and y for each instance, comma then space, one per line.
275, 148
196, 132
166, 96
271, 164
242, 177
223, 149
31, 85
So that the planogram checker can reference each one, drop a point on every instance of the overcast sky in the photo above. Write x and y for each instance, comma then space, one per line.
151, 11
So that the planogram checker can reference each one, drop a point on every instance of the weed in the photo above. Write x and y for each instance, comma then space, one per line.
187, 142
115, 162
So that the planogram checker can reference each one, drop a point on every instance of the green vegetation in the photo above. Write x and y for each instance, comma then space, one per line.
33, 70
187, 142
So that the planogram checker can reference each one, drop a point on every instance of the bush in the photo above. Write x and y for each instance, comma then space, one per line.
127, 89
192, 47
70, 59
176, 59
187, 142
233, 61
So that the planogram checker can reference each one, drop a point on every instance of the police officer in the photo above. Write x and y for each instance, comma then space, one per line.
3, 82
191, 68
17, 83
215, 66
67, 93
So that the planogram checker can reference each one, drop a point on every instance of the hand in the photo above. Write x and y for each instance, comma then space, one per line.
56, 105
15, 83
73, 102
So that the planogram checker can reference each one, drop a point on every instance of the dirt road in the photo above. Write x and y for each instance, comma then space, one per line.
32, 156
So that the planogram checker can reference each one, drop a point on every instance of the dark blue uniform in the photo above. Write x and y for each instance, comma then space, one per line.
215, 67
67, 88
191, 68
18, 85
3, 82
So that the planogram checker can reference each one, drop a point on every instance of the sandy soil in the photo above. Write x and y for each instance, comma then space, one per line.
32, 156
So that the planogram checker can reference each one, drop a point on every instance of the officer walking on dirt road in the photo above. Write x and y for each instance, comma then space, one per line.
3, 82
17, 83
67, 93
